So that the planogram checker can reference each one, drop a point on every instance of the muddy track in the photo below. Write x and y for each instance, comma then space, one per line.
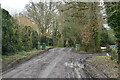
55, 63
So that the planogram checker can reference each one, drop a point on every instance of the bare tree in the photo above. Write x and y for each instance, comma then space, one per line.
42, 14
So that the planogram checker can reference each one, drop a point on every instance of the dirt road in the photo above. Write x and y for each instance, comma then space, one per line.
55, 63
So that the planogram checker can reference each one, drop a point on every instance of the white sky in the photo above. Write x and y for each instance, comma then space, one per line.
14, 6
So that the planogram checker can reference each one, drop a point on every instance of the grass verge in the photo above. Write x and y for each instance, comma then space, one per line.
7, 58
105, 64
20, 55
47, 47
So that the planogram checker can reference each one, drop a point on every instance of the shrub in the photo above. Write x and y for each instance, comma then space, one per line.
16, 37
10, 33
114, 54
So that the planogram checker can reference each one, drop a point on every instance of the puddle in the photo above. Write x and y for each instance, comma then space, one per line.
74, 65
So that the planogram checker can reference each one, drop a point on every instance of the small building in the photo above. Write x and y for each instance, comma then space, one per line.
103, 47
112, 46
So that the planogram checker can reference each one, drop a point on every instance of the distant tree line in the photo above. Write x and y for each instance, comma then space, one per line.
82, 23
75, 22
58, 23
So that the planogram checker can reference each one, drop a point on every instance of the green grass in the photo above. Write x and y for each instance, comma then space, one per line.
47, 47
71, 47
7, 58
107, 57
104, 56
19, 55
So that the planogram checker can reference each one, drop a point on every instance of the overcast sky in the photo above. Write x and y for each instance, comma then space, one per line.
14, 6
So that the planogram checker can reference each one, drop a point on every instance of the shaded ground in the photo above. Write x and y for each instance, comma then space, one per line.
55, 63
103, 65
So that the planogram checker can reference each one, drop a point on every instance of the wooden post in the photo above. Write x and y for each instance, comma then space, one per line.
66, 43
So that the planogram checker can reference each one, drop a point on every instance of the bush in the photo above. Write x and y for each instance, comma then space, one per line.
34, 39
114, 54
10, 33
15, 37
